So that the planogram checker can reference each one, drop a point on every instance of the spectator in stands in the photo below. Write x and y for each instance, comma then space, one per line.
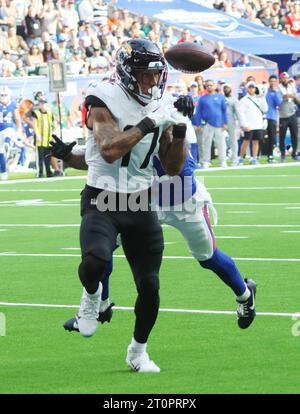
114, 20
48, 53
201, 87
98, 61
288, 114
251, 110
145, 25
8, 13
50, 19
185, 37
266, 17
233, 123
224, 60
135, 30
34, 60
86, 11
168, 36
68, 14
292, 24
242, 62
211, 116
34, 23
127, 20
7, 67
100, 12
276, 25
274, 100
76, 65
16, 43
20, 70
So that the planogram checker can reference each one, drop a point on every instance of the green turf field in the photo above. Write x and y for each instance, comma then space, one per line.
259, 225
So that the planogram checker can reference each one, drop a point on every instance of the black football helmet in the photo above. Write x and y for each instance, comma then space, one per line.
140, 55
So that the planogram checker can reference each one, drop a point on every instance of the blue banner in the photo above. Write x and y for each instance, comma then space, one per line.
211, 24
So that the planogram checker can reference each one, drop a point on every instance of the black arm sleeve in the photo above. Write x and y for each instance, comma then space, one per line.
94, 102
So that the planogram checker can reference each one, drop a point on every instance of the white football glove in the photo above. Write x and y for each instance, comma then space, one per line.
163, 115
179, 118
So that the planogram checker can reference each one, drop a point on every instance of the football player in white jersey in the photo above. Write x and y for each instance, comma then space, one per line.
129, 122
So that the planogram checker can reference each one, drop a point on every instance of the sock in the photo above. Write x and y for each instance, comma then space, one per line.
245, 296
98, 291
104, 304
2, 163
223, 266
137, 347
105, 281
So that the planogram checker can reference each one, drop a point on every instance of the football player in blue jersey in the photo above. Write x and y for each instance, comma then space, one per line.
174, 209
10, 125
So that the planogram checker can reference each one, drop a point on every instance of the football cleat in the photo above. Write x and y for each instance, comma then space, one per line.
88, 312
246, 309
72, 324
140, 362
106, 315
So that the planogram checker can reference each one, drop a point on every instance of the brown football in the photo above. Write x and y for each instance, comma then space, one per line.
189, 57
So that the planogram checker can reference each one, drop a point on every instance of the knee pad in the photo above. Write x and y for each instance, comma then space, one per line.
92, 268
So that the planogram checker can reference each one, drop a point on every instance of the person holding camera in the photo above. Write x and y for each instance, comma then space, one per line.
251, 111
288, 114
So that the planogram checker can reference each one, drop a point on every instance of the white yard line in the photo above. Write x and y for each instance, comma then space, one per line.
252, 188
290, 231
231, 237
240, 212
39, 190
292, 208
256, 204
43, 180
121, 256
164, 225
129, 308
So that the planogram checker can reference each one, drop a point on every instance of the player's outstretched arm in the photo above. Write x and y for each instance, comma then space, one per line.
172, 151
112, 143
63, 152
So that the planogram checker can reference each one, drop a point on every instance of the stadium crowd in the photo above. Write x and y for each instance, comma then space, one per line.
87, 33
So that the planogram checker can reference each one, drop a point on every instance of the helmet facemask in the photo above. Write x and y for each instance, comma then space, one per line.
131, 62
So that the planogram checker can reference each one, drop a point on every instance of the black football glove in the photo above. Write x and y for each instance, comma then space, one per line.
59, 149
185, 105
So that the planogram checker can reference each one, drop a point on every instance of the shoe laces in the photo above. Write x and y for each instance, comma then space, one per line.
243, 309
89, 306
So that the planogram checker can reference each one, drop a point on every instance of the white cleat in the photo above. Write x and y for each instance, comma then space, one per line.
140, 362
4, 176
89, 311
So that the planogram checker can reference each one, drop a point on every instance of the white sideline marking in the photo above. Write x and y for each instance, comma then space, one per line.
249, 167
122, 256
256, 204
43, 180
129, 308
292, 208
3, 229
251, 176
231, 237
240, 212
164, 225
253, 188
39, 190
40, 225
290, 231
